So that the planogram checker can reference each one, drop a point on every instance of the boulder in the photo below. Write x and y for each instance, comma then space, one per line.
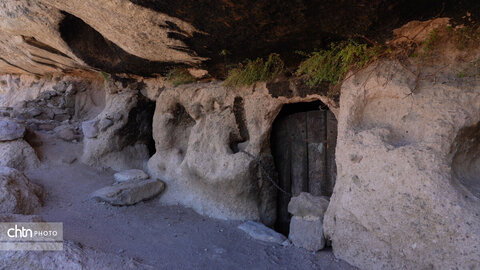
90, 128
261, 232
129, 193
10, 130
130, 175
306, 204
307, 233
18, 154
17, 194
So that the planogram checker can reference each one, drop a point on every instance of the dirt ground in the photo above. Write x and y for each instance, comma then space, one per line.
151, 235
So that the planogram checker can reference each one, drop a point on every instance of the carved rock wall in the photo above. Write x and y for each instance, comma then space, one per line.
406, 195
203, 133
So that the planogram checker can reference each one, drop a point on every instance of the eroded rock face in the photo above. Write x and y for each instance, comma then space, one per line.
198, 136
406, 195
145, 37
60, 98
209, 142
120, 136
17, 194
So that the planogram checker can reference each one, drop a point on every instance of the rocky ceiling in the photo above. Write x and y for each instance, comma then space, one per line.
145, 37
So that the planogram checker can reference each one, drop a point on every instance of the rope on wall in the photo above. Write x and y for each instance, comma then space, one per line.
265, 172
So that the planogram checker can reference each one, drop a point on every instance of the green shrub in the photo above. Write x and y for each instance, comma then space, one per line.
258, 70
179, 76
332, 64
429, 43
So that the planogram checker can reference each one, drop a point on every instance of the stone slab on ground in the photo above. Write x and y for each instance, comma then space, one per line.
129, 193
130, 175
307, 233
261, 232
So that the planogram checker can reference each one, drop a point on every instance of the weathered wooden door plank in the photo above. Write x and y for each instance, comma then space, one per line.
281, 152
299, 153
316, 137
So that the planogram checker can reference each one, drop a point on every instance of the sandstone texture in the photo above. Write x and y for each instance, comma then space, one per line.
118, 137
10, 130
129, 193
307, 232
90, 129
149, 37
261, 232
18, 154
17, 194
406, 195
306, 204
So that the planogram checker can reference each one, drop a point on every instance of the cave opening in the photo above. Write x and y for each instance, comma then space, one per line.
466, 160
303, 141
139, 126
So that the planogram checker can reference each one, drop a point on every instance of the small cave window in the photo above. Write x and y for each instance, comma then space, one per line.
179, 128
139, 126
466, 159
303, 141
239, 140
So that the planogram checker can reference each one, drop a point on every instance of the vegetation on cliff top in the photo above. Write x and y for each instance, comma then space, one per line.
258, 70
179, 76
331, 65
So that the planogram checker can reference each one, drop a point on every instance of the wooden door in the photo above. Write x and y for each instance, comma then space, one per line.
303, 147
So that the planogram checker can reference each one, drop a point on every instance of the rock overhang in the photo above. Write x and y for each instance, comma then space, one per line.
147, 37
